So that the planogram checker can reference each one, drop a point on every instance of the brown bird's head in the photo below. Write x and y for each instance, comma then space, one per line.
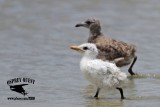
93, 24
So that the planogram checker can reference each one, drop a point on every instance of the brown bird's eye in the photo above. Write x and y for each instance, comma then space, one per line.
85, 48
88, 22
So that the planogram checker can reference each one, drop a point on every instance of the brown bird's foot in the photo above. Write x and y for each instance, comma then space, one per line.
130, 68
131, 72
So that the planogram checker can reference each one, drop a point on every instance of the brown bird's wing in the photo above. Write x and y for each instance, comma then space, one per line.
110, 49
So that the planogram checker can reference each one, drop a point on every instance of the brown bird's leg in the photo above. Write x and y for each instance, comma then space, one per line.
96, 95
121, 92
130, 68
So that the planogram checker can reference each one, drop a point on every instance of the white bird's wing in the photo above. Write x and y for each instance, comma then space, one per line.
98, 67
105, 70
101, 73
104, 73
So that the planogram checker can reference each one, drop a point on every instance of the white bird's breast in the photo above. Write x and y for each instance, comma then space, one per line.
84, 69
90, 74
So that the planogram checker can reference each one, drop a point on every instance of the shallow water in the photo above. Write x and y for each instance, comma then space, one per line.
34, 40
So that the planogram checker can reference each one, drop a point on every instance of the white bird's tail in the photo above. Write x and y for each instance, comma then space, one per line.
122, 76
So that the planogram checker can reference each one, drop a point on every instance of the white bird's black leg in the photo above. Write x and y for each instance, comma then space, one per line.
121, 92
96, 95
130, 68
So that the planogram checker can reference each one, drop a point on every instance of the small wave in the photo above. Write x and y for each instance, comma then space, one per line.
139, 76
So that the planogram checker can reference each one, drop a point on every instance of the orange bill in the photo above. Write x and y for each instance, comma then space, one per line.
75, 48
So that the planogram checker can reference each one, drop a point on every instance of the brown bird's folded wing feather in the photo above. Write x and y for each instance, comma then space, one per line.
110, 49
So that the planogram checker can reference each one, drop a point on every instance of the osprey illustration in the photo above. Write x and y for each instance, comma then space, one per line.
19, 89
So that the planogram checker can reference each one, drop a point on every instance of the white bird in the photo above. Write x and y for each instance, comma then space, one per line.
103, 74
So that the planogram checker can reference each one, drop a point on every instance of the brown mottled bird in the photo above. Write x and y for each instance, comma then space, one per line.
119, 52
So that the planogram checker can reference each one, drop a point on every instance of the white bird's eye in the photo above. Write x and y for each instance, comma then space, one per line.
85, 48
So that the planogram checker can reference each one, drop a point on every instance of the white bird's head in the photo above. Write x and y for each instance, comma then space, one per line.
86, 49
